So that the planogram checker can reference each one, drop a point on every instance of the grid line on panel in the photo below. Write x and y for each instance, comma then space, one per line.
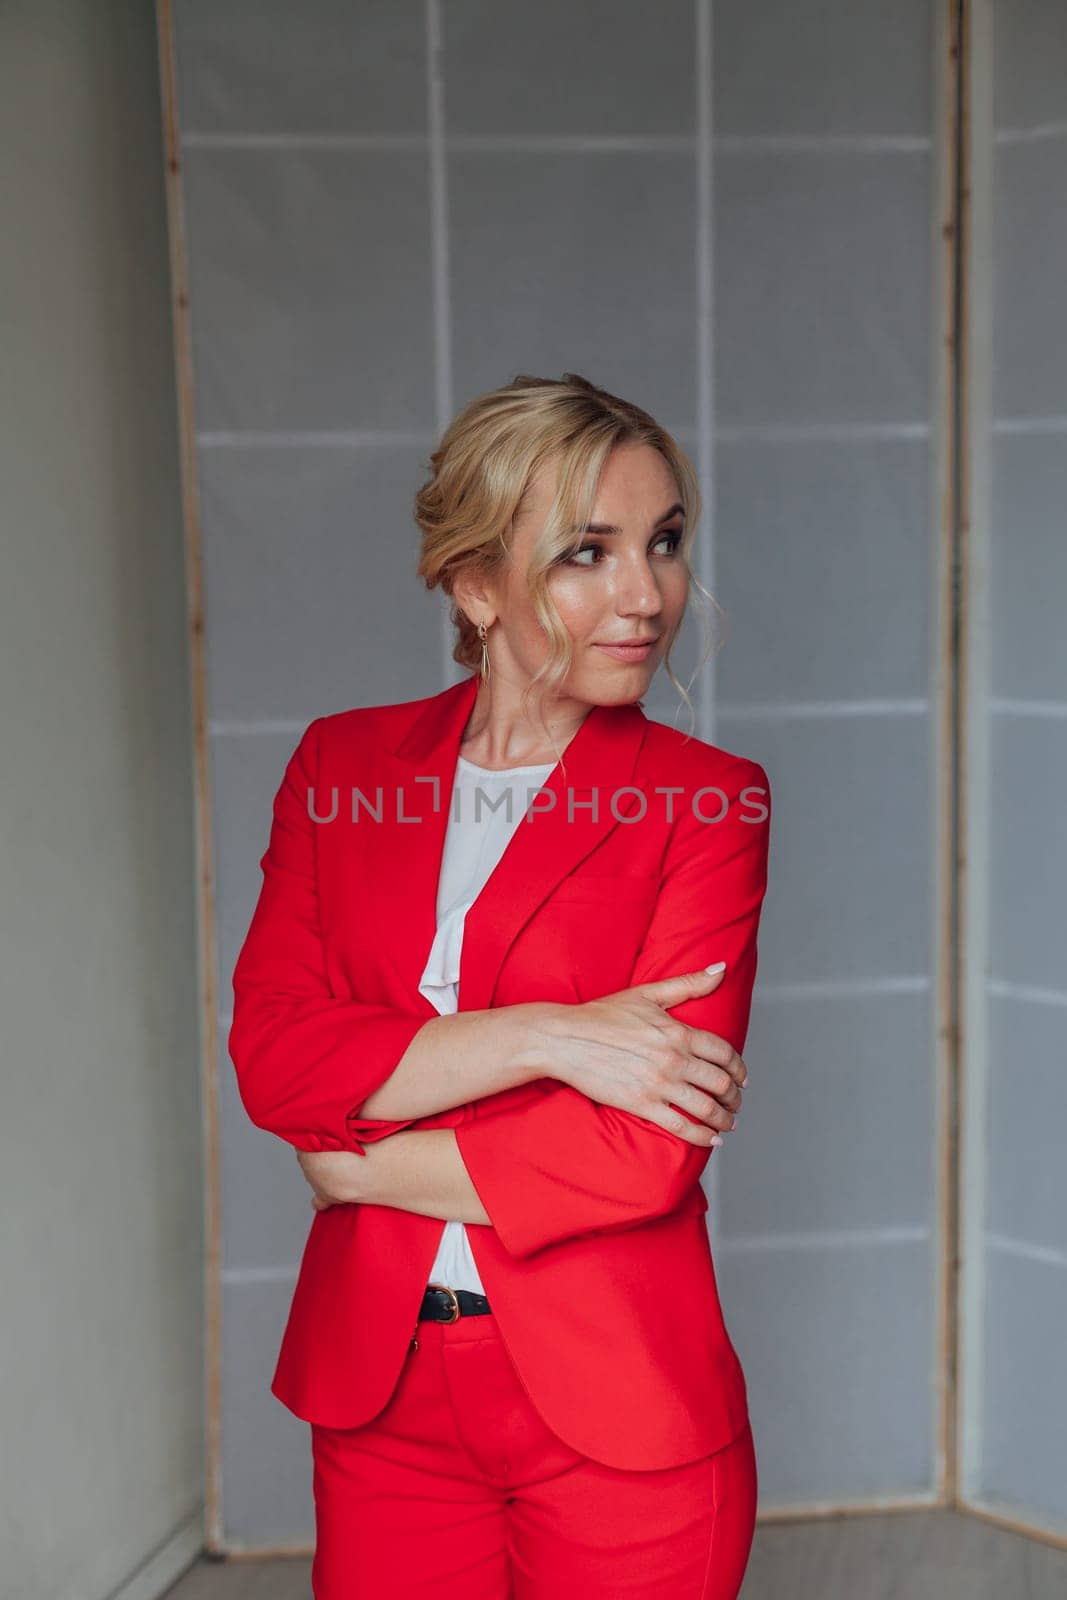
532, 144
727, 433
798, 709
582, 143
193, 139
842, 432
444, 386
966, 1010
1031, 994
577, 143
1053, 423
735, 1244
442, 329
824, 143
1031, 135
246, 1275
1002, 707
311, 438
842, 988
1044, 1254
822, 1239
252, 728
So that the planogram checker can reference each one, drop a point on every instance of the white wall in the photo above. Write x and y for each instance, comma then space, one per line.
101, 1250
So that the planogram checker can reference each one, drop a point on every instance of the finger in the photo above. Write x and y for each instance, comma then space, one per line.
664, 1115
712, 1047
672, 991
710, 1108
707, 1074
715, 1082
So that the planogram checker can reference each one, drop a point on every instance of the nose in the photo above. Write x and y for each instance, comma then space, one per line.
638, 591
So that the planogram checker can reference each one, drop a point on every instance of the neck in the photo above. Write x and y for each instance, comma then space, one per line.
499, 733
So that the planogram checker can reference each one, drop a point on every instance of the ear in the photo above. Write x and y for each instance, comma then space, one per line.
474, 597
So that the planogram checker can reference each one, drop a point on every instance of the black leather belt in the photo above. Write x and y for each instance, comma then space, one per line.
441, 1304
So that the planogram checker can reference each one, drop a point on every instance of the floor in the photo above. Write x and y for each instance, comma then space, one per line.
928, 1555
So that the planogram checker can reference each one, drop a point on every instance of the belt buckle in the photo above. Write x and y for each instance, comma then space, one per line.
453, 1297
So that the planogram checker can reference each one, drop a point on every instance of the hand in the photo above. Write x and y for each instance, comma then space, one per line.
624, 1050
334, 1176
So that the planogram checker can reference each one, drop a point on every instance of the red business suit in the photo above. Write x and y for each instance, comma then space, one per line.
597, 1264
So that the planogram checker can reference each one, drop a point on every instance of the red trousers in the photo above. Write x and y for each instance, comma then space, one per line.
458, 1478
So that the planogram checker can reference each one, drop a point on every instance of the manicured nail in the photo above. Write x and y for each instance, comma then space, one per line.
720, 966
716, 1139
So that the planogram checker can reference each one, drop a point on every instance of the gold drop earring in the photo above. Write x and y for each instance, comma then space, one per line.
485, 652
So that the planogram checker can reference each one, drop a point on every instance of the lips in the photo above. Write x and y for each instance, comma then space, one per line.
628, 652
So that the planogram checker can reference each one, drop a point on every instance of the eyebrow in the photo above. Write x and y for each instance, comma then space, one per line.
610, 527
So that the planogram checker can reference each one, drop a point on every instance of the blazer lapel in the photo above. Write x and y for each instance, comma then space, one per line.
405, 864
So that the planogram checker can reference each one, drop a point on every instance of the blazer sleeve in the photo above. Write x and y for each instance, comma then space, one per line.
305, 1060
565, 1164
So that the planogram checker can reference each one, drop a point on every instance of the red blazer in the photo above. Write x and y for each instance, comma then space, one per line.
597, 1264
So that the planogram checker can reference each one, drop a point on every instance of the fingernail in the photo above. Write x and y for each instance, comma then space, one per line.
720, 966
716, 1139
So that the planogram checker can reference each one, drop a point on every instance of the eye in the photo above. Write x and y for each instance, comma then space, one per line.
672, 539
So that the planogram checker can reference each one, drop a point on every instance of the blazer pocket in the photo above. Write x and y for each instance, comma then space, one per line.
604, 890
582, 941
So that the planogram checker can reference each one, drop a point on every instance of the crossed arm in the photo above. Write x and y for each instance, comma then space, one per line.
539, 1172
420, 1170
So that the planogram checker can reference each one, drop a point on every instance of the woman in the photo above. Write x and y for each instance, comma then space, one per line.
505, 1042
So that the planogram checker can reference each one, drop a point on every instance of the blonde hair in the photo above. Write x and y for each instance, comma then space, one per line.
480, 473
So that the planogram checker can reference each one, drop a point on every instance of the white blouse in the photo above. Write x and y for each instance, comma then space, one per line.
486, 808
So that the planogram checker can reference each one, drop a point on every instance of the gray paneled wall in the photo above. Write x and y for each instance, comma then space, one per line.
723, 211
1020, 1458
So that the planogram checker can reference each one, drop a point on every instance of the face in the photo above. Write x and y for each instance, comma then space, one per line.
627, 581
